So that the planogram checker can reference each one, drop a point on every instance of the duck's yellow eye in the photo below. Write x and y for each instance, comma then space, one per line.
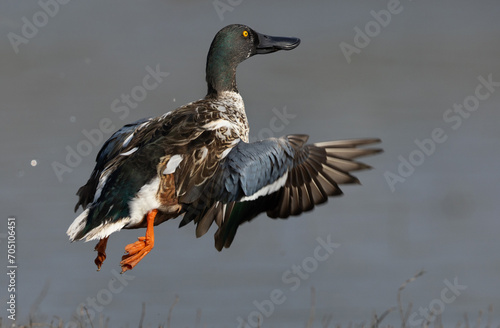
245, 34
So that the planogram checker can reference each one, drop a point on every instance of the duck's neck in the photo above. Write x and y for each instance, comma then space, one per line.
221, 75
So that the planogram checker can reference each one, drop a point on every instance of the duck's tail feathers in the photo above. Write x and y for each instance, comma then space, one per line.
75, 230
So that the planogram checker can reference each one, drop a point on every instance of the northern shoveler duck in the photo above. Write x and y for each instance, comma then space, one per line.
196, 161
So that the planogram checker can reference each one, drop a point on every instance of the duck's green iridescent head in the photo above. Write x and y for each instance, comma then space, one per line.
232, 45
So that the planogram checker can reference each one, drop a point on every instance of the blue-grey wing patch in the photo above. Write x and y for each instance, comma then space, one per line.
281, 177
253, 168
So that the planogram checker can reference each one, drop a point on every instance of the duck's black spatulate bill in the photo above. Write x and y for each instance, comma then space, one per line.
268, 44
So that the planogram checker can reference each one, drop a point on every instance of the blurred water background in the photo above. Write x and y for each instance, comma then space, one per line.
444, 216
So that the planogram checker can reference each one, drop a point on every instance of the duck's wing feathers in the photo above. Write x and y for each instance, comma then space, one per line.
281, 177
179, 128
112, 148
124, 165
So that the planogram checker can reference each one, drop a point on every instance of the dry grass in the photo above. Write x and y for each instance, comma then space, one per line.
83, 320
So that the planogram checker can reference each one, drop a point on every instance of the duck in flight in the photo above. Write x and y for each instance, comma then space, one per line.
196, 161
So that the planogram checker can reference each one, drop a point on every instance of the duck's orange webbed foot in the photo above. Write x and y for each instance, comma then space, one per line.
135, 252
101, 252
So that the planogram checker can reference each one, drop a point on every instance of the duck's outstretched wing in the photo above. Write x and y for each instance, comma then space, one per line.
281, 177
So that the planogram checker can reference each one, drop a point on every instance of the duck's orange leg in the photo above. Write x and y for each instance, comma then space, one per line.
136, 251
101, 252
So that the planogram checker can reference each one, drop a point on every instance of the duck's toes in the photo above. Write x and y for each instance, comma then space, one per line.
129, 261
99, 260
134, 248
101, 252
